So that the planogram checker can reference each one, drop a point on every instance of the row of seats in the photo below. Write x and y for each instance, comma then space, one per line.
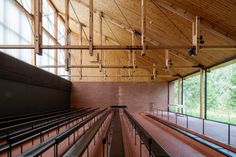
28, 128
9, 127
77, 147
73, 122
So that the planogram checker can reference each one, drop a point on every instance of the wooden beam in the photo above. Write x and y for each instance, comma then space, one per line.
91, 27
96, 66
143, 26
80, 43
30, 17
167, 59
56, 41
133, 51
28, 14
38, 26
191, 17
67, 35
159, 76
196, 34
100, 40
118, 47
111, 47
154, 72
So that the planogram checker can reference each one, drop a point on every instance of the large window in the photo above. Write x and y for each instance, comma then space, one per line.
15, 29
221, 93
61, 53
48, 55
48, 17
191, 95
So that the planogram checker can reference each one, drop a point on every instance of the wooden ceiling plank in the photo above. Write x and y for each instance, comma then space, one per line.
183, 57
119, 24
91, 27
143, 26
190, 17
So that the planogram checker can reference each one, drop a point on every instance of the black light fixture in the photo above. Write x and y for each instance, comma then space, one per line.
201, 40
170, 62
192, 51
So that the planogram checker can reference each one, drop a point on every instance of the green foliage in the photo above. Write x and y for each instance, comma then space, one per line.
191, 95
221, 94
232, 89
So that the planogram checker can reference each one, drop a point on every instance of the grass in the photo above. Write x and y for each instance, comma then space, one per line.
222, 116
216, 115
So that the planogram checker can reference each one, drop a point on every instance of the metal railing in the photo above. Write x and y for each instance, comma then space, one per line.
219, 131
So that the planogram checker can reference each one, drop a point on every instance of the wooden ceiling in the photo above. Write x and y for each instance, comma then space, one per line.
168, 23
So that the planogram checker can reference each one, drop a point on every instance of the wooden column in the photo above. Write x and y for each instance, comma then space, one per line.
130, 57
196, 33
129, 63
143, 26
56, 41
167, 59
202, 93
104, 60
133, 52
91, 27
81, 53
33, 56
38, 26
154, 72
67, 37
100, 36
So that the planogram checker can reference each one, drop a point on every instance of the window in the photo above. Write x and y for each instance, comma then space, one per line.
191, 95
47, 57
15, 29
48, 17
221, 93
26, 4
61, 53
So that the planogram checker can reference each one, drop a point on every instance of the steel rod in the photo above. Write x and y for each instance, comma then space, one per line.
114, 66
158, 76
119, 47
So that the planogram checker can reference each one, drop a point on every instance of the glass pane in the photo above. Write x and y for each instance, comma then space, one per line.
48, 17
15, 29
47, 57
233, 135
172, 117
195, 124
218, 131
191, 95
221, 93
182, 120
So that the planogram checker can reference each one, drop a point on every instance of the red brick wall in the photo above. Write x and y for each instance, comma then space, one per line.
137, 96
